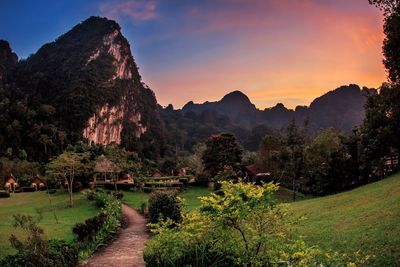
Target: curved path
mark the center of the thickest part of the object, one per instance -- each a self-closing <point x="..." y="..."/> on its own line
<point x="127" y="248"/>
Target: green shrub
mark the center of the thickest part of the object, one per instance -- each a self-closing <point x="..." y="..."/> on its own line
<point x="34" y="250"/>
<point x="60" y="253"/>
<point x="118" y="195"/>
<point x="165" y="205"/>
<point x="241" y="227"/>
<point x="96" y="231"/>
<point x="89" y="229"/>
<point x="28" y="189"/>
<point x="90" y="195"/>
<point x="4" y="194"/>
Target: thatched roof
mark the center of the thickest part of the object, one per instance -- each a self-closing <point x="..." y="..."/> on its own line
<point x="256" y="170"/>
<point x="105" y="165"/>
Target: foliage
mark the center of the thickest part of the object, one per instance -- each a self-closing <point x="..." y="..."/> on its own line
<point x="164" y="205"/>
<point x="4" y="194"/>
<point x="37" y="251"/>
<point x="241" y="227"/>
<point x="380" y="146"/>
<point x="88" y="229"/>
<point x="23" y="170"/>
<point x="47" y="99"/>
<point x="326" y="160"/>
<point x="67" y="166"/>
<point x="221" y="150"/>
<point x="35" y="202"/>
<point x="96" y="231"/>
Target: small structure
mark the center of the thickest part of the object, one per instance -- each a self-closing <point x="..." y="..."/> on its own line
<point x="38" y="183"/>
<point x="11" y="184"/>
<point x="257" y="173"/>
<point x="157" y="173"/>
<point x="108" y="173"/>
<point x="182" y="171"/>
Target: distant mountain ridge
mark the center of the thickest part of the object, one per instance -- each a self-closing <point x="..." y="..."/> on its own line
<point x="342" y="108"/>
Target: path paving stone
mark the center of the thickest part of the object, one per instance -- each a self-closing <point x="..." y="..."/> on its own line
<point x="127" y="249"/>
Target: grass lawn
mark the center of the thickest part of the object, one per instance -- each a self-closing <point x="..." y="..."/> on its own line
<point x="191" y="194"/>
<point x="366" y="218"/>
<point x="31" y="203"/>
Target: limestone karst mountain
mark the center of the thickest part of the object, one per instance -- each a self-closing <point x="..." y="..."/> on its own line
<point x="84" y="85"/>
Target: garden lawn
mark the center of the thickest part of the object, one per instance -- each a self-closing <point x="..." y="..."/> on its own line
<point x="37" y="205"/>
<point x="366" y="218"/>
<point x="191" y="195"/>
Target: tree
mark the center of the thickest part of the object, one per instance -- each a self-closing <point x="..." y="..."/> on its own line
<point x="67" y="166"/>
<point x="221" y="150"/>
<point x="295" y="144"/>
<point x="379" y="143"/>
<point x="269" y="153"/>
<point x="326" y="163"/>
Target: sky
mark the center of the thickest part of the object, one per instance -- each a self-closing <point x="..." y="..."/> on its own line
<point x="275" y="51"/>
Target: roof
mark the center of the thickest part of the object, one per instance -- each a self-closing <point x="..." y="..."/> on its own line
<point x="257" y="170"/>
<point x="39" y="179"/>
<point x="105" y="165"/>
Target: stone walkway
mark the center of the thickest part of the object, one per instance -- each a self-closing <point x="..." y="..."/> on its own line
<point x="127" y="248"/>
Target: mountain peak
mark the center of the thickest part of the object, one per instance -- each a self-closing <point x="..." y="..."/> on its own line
<point x="236" y="97"/>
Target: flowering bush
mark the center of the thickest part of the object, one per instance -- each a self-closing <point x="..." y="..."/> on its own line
<point x="241" y="227"/>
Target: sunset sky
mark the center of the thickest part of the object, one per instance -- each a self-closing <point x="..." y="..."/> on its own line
<point x="287" y="51"/>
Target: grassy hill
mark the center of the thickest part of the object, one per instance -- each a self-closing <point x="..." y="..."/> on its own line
<point x="365" y="219"/>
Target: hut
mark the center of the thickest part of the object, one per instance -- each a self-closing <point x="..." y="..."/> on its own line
<point x="108" y="173"/>
<point x="157" y="173"/>
<point x="182" y="171"/>
<point x="38" y="183"/>
<point x="257" y="173"/>
<point x="11" y="184"/>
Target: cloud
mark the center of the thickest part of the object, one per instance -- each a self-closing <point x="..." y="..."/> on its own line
<point x="135" y="10"/>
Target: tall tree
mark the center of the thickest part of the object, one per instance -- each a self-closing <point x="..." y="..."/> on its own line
<point x="66" y="167"/>
<point x="380" y="145"/>
<point x="295" y="145"/>
<point x="221" y="150"/>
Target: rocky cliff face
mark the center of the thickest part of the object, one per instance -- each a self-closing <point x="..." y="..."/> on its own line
<point x="88" y="81"/>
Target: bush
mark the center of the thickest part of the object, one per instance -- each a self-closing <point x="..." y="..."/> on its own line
<point x="118" y="195"/>
<point x="90" y="195"/>
<point x="61" y="253"/>
<point x="37" y="251"/>
<point x="4" y="194"/>
<point x="98" y="230"/>
<point x="242" y="227"/>
<point x="164" y="205"/>
<point x="28" y="189"/>
<point x="88" y="229"/>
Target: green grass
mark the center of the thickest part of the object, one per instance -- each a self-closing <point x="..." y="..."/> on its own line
<point x="191" y="195"/>
<point x="135" y="199"/>
<point x="366" y="218"/>
<point x="30" y="203"/>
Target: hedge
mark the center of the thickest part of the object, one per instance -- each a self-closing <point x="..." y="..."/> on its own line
<point x="96" y="231"/>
